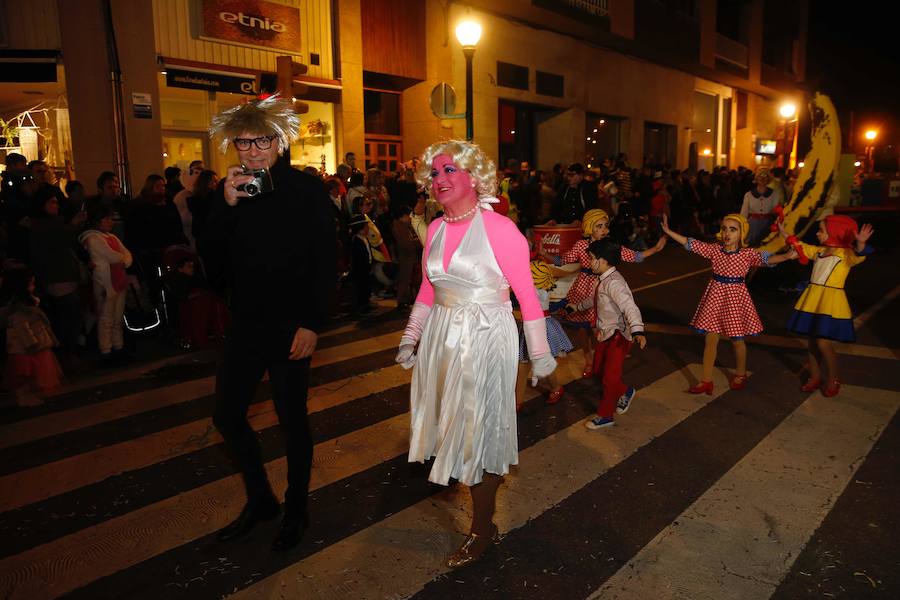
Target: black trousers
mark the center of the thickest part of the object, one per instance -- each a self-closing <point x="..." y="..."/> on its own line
<point x="251" y="350"/>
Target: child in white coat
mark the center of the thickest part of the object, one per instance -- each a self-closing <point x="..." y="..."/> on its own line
<point x="109" y="259"/>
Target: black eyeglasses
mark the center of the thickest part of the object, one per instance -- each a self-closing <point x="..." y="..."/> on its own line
<point x="263" y="143"/>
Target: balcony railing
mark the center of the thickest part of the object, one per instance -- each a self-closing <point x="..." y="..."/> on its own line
<point x="593" y="13"/>
<point x="732" y="52"/>
<point x="598" y="8"/>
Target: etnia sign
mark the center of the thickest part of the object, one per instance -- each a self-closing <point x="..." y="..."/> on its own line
<point x="252" y="23"/>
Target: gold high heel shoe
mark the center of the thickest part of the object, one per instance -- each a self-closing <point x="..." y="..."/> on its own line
<point x="464" y="556"/>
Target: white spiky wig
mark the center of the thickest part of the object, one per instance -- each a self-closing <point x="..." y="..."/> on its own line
<point x="466" y="155"/>
<point x="269" y="116"/>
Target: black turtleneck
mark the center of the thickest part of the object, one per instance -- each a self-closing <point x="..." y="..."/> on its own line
<point x="277" y="252"/>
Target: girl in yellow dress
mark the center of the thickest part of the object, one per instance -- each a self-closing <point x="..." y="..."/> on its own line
<point x="822" y="313"/>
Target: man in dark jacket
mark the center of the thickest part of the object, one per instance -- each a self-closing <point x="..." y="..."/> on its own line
<point x="279" y="256"/>
<point x="575" y="198"/>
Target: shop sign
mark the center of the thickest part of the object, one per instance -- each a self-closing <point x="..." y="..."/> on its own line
<point x="143" y="105"/>
<point x="252" y="23"/>
<point x="212" y="82"/>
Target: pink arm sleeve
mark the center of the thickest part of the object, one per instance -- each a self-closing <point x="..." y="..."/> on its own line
<point x="426" y="290"/>
<point x="514" y="261"/>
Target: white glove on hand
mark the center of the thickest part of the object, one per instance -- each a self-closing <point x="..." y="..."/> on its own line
<point x="536" y="337"/>
<point x="406" y="356"/>
<point x="542" y="365"/>
<point x="542" y="362"/>
<point x="417" y="318"/>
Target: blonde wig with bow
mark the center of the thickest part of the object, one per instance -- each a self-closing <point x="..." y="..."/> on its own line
<point x="591" y="218"/>
<point x="744" y="226"/>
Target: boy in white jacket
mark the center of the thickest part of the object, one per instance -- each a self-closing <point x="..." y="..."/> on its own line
<point x="618" y="325"/>
<point x="109" y="259"/>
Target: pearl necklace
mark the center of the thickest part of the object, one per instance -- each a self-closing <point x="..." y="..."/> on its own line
<point x="465" y="215"/>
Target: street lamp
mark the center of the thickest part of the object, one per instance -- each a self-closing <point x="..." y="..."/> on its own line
<point x="468" y="33"/>
<point x="788" y="112"/>
<point x="870" y="136"/>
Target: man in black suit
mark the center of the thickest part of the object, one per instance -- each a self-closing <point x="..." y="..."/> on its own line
<point x="278" y="251"/>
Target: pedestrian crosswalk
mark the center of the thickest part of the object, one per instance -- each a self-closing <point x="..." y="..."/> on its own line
<point x="115" y="495"/>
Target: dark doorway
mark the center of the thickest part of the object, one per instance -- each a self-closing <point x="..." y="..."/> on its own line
<point x="519" y="126"/>
<point x="659" y="144"/>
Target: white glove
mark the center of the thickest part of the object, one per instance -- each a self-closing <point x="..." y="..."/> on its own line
<point x="414" y="326"/>
<point x="406" y="356"/>
<point x="536" y="337"/>
<point x="542" y="365"/>
<point x="542" y="362"/>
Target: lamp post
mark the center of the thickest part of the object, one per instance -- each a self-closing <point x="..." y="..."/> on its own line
<point x="468" y="33"/>
<point x="788" y="112"/>
<point x="870" y="136"/>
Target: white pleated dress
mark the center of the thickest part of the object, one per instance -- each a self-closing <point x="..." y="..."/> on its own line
<point x="463" y="404"/>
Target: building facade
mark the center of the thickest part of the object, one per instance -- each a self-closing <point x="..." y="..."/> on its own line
<point x="131" y="85"/>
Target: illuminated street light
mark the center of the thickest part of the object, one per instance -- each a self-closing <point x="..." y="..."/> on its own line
<point x="707" y="152"/>
<point x="787" y="110"/>
<point x="467" y="34"/>
<point x="871" y="134"/>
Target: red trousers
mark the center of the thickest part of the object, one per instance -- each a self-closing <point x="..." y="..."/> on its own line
<point x="608" y="358"/>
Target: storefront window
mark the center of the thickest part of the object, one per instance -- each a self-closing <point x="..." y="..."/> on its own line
<point x="316" y="146"/>
<point x="181" y="150"/>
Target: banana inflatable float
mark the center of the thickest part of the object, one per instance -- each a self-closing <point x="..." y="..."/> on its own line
<point x="816" y="187"/>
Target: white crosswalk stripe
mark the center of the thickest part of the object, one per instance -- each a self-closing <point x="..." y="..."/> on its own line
<point x="737" y="540"/>
<point x="741" y="537"/>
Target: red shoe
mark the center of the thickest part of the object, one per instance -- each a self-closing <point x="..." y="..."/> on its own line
<point x="738" y="382"/>
<point x="833" y="389"/>
<point x="811" y="385"/>
<point x="555" y="395"/>
<point x="704" y="387"/>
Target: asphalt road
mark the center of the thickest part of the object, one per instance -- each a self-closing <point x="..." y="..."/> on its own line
<point x="114" y="488"/>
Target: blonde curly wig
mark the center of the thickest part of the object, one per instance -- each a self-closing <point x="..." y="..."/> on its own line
<point x="269" y="116"/>
<point x="466" y="155"/>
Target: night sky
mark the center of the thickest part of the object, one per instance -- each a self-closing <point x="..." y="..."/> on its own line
<point x="854" y="57"/>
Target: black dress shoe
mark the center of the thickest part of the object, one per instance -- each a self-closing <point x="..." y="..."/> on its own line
<point x="290" y="533"/>
<point x="249" y="518"/>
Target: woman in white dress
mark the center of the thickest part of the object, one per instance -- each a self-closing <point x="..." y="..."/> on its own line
<point x="463" y="406"/>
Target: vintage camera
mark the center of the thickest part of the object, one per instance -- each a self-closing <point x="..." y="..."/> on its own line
<point x="262" y="182"/>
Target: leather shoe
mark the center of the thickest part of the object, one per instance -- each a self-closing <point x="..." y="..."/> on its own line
<point x="290" y="533"/>
<point x="249" y="518"/>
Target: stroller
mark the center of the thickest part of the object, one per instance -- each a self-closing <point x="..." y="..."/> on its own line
<point x="148" y="304"/>
<point x="195" y="312"/>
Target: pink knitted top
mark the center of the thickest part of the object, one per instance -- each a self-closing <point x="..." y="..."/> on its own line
<point x="513" y="260"/>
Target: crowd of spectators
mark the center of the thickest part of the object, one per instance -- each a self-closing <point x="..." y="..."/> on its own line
<point x="98" y="257"/>
<point x="95" y="260"/>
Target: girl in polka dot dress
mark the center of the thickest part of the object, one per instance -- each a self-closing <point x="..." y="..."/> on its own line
<point x="726" y="308"/>
<point x="595" y="226"/>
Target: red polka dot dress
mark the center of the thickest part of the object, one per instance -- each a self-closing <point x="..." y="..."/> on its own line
<point x="586" y="282"/>
<point x="726" y="307"/>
